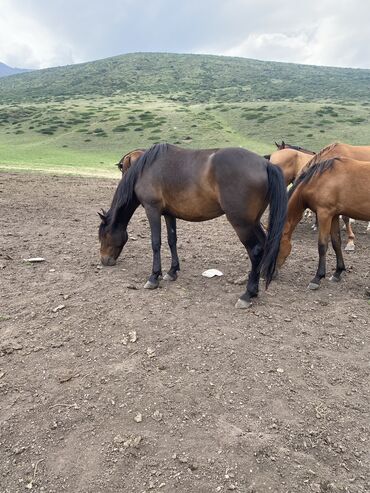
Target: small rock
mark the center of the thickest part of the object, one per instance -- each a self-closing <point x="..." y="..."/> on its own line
<point x="150" y="352"/>
<point x="58" y="308"/>
<point x="212" y="273"/>
<point x="132" y="336"/>
<point x="158" y="416"/>
<point x="138" y="418"/>
<point x="280" y="370"/>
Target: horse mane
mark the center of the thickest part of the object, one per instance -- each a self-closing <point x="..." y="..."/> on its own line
<point x="317" y="157"/>
<point x="299" y="148"/>
<point x="124" y="193"/>
<point x="315" y="169"/>
<point x="285" y="145"/>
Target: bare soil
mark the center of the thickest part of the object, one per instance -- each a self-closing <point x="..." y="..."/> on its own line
<point x="107" y="387"/>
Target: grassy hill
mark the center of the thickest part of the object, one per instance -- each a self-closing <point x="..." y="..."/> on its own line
<point x="84" y="117"/>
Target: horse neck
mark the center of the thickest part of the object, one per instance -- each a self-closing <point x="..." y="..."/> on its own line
<point x="122" y="214"/>
<point x="296" y="208"/>
<point x="302" y="160"/>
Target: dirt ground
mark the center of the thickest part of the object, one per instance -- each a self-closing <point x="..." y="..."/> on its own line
<point x="107" y="387"/>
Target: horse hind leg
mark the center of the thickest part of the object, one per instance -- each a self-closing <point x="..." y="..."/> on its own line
<point x="336" y="242"/>
<point x="350" y="247"/>
<point x="253" y="239"/>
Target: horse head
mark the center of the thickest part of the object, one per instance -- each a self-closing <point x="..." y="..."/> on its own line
<point x="112" y="239"/>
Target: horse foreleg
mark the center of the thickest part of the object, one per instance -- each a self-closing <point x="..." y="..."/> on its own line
<point x="172" y="242"/>
<point x="350" y="247"/>
<point x="336" y="242"/>
<point x="324" y="221"/>
<point x="154" y="217"/>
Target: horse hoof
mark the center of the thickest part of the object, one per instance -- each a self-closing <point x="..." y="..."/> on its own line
<point x="313" y="286"/>
<point x="242" y="304"/>
<point x="334" y="279"/>
<point x="151" y="285"/>
<point x="350" y="247"/>
<point x="168" y="277"/>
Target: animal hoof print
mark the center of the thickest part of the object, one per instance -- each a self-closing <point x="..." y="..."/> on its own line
<point x="151" y="285"/>
<point x="242" y="304"/>
<point x="313" y="286"/>
<point x="168" y="277"/>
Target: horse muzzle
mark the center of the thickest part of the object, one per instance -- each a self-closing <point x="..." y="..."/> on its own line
<point x="108" y="261"/>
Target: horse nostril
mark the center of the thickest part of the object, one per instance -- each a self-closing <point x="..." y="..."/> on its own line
<point x="108" y="261"/>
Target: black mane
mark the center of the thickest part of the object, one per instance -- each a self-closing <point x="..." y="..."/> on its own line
<point x="315" y="169"/>
<point x="124" y="195"/>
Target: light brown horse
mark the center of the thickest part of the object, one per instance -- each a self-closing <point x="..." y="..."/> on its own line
<point x="290" y="161"/>
<point x="198" y="185"/>
<point x="336" y="149"/>
<point x="327" y="188"/>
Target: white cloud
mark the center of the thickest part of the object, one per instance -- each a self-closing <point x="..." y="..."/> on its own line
<point x="42" y="33"/>
<point x="274" y="46"/>
<point x="27" y="43"/>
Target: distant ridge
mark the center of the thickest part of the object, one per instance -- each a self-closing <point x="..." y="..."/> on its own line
<point x="5" y="70"/>
<point x="193" y="78"/>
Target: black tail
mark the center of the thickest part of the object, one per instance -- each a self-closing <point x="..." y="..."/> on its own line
<point x="277" y="196"/>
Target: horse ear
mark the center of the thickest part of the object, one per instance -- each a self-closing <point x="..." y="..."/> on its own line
<point x="277" y="145"/>
<point x="283" y="144"/>
<point x="102" y="217"/>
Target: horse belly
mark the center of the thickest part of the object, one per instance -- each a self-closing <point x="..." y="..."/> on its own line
<point x="193" y="206"/>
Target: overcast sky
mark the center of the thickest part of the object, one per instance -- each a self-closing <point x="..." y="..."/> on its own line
<point x="46" y="33"/>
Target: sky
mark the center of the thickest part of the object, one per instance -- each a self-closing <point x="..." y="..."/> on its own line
<point x="48" y="33"/>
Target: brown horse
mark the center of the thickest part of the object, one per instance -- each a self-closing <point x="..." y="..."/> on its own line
<point x="291" y="162"/>
<point x="128" y="159"/>
<point x="284" y="145"/>
<point x="197" y="185"/>
<point x="327" y="188"/>
<point x="336" y="149"/>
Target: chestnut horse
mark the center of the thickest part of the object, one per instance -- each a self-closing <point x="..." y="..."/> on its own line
<point x="336" y="149"/>
<point x="128" y="159"/>
<point x="327" y="188"/>
<point x="197" y="185"/>
<point x="291" y="162"/>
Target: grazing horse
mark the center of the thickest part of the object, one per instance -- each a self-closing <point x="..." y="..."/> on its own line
<point x="197" y="185"/>
<point x="291" y="162"/>
<point x="327" y="188"/>
<point x="284" y="145"/>
<point x="128" y="159"/>
<point x="361" y="153"/>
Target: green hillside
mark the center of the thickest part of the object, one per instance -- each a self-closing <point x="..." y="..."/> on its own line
<point x="84" y="117"/>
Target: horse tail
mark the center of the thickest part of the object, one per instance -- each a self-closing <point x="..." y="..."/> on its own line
<point x="278" y="200"/>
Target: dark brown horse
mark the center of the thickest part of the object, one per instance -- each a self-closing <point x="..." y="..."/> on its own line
<point x="327" y="188"/>
<point x="197" y="185"/>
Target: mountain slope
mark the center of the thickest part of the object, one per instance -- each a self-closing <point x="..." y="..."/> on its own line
<point x="198" y="78"/>
<point x="5" y="70"/>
